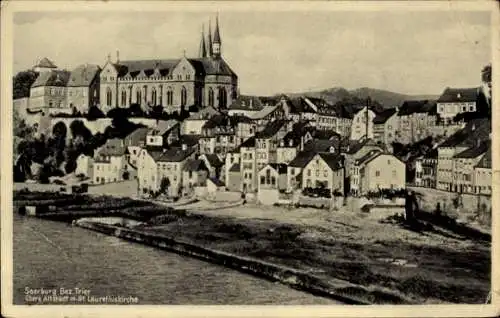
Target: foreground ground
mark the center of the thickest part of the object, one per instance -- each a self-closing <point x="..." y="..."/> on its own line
<point x="436" y="264"/>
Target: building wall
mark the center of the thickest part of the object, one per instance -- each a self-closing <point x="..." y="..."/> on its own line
<point x="444" y="176"/>
<point x="317" y="171"/>
<point x="83" y="97"/>
<point x="48" y="97"/>
<point x="292" y="173"/>
<point x="449" y="110"/>
<point x="192" y="127"/>
<point x="383" y="172"/>
<point x="482" y="181"/>
<point x="248" y="169"/>
<point x="326" y="122"/>
<point x="285" y="154"/>
<point x="112" y="171"/>
<point x="359" y="124"/>
<point x="147" y="172"/>
<point x="464" y="174"/>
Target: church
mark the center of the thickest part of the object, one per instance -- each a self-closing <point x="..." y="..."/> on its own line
<point x="174" y="84"/>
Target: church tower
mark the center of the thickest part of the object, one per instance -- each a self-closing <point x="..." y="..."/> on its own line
<point x="216" y="46"/>
<point x="203" y="49"/>
<point x="209" y="40"/>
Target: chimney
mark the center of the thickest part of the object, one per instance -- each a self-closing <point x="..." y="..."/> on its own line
<point x="251" y="103"/>
<point x="117" y="56"/>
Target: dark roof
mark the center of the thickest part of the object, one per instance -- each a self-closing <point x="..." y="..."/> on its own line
<point x="235" y="168"/>
<point x="321" y="145"/>
<point x="216" y="121"/>
<point x="453" y="95"/>
<point x="246" y="102"/>
<point x="417" y="106"/>
<point x="476" y="129"/>
<point x="45" y="62"/>
<point x="300" y="104"/>
<point x="368" y="157"/>
<point x="137" y="137"/>
<point x="52" y="78"/>
<point x="83" y="75"/>
<point x="134" y="67"/>
<point x="217" y="182"/>
<point x="188" y="140"/>
<point x="334" y="161"/>
<point x="214" y="66"/>
<point x="302" y="159"/>
<point x="214" y="160"/>
<point x="326" y="134"/>
<point x="271" y="129"/>
<point x="355" y="146"/>
<point x="280" y="167"/>
<point x="112" y="148"/>
<point x="475" y="151"/>
<point x="485" y="162"/>
<point x="195" y="165"/>
<point x="175" y="155"/>
<point x="383" y="116"/>
<point x="241" y="119"/>
<point x="162" y="127"/>
<point x="432" y="154"/>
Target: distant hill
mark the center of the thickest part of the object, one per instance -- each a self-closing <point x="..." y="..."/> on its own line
<point x="387" y="98"/>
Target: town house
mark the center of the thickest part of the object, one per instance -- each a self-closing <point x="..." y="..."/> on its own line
<point x="385" y="127"/>
<point x="49" y="91"/>
<point x="463" y="167"/>
<point x="416" y="118"/>
<point x="454" y="101"/>
<point x="381" y="171"/>
<point x="163" y="134"/>
<point x="326" y="171"/>
<point x="111" y="163"/>
<point x="267" y="141"/>
<point x="83" y="87"/>
<point x="134" y="142"/>
<point x="195" y="174"/>
<point x="482" y="174"/>
<point x="426" y="169"/>
<point x="245" y="105"/>
<point x="362" y="124"/>
<point x="272" y="180"/>
<point x="193" y="125"/>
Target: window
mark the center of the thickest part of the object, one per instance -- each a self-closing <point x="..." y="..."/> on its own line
<point x="138" y="96"/>
<point x="394" y="174"/>
<point x="377" y="173"/>
<point x="292" y="171"/>
<point x="124" y="98"/>
<point x="188" y="77"/>
<point x="210" y="97"/>
<point x="222" y="98"/>
<point x="273" y="180"/>
<point x="325" y="173"/>
<point x="317" y="172"/>
<point x="262" y="180"/>
<point x="249" y="156"/>
<point x="183" y="96"/>
<point x="170" y="96"/>
<point x="145" y="93"/>
<point x="109" y="97"/>
<point x="308" y="172"/>
<point x="179" y="77"/>
<point x="153" y="96"/>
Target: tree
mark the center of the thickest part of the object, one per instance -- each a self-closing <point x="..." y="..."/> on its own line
<point x="94" y="113"/>
<point x="135" y="110"/>
<point x="22" y="83"/>
<point x="118" y="113"/>
<point x="156" y="112"/>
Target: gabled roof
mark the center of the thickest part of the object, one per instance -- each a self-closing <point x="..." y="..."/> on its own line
<point x="302" y="159"/>
<point x="235" y="168"/>
<point x="417" y="106"/>
<point x="175" y="155"/>
<point x="137" y="137"/>
<point x="485" y="161"/>
<point x="52" y="78"/>
<point x="454" y="95"/>
<point x="195" y="165"/>
<point x="214" y="160"/>
<point x="46" y="63"/>
<point x="334" y="161"/>
<point x="212" y="66"/>
<point x="249" y="143"/>
<point x="163" y="127"/>
<point x="247" y="102"/>
<point x="321" y="145"/>
<point x="474" y="152"/>
<point x="188" y="140"/>
<point x="134" y="67"/>
<point x="368" y="157"/>
<point x="281" y="168"/>
<point x="301" y="104"/>
<point x="383" y="116"/>
<point x="271" y="129"/>
<point x="112" y="148"/>
<point x="204" y="114"/>
<point x="83" y="75"/>
<point x="352" y="147"/>
<point x="267" y="110"/>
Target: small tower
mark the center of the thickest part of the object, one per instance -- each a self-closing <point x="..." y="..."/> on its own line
<point x="216" y="46"/>
<point x="203" y="49"/>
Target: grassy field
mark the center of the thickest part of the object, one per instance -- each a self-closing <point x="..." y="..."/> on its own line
<point x="438" y="263"/>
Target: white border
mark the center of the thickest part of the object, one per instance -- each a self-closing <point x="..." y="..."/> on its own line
<point x="9" y="310"/>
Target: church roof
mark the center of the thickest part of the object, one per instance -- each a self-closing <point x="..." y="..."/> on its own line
<point x="202" y="65"/>
<point x="83" y="75"/>
<point x="52" y="78"/>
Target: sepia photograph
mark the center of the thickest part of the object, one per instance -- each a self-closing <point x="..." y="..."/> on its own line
<point x="248" y="154"/>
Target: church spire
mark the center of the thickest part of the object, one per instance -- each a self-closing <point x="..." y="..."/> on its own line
<point x="217" y="42"/>
<point x="209" y="45"/>
<point x="203" y="49"/>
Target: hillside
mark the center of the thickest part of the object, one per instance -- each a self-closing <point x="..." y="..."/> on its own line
<point x="387" y="98"/>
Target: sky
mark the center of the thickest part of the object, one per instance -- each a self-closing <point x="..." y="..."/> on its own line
<point x="418" y="52"/>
